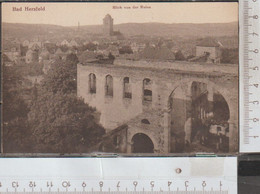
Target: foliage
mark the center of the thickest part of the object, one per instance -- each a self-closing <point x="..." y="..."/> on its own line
<point x="90" y="47"/>
<point x="17" y="137"/>
<point x="179" y="56"/>
<point x="229" y="56"/>
<point x="14" y="112"/>
<point x="160" y="53"/>
<point x="14" y="105"/>
<point x="62" y="123"/>
<point x="62" y="76"/>
<point x="110" y="56"/>
<point x="125" y="50"/>
<point x="31" y="69"/>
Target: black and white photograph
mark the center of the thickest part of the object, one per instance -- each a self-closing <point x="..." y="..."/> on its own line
<point x="128" y="78"/>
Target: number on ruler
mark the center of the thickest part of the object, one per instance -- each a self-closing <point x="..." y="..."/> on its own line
<point x="152" y="184"/>
<point x="32" y="184"/>
<point x="135" y="183"/>
<point x="254" y="17"/>
<point x="49" y="184"/>
<point x="254" y="34"/>
<point x="84" y="184"/>
<point x="118" y="185"/>
<point x="15" y="184"/>
<point x="256" y="85"/>
<point x="255" y="51"/>
<point x="256" y="68"/>
<point x="65" y="184"/>
<point x="256" y="102"/>
<point x="101" y="184"/>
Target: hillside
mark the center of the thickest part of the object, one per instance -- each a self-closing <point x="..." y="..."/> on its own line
<point x="228" y="29"/>
<point x="130" y="29"/>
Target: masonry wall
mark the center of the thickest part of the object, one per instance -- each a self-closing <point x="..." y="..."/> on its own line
<point x="117" y="110"/>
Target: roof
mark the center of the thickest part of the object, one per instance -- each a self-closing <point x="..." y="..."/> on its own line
<point x="208" y="42"/>
<point x="35" y="46"/>
<point x="108" y="16"/>
<point x="87" y="55"/>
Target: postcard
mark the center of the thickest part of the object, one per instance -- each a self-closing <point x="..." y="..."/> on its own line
<point x="126" y="78"/>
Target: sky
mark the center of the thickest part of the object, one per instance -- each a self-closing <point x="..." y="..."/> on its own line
<point x="69" y="14"/>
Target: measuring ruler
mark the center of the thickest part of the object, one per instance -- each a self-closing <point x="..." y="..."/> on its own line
<point x="119" y="175"/>
<point x="249" y="59"/>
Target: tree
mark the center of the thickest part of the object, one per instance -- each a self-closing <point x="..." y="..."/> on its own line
<point x="229" y="56"/>
<point x="62" y="123"/>
<point x="14" y="105"/>
<point x="125" y="50"/>
<point x="59" y="121"/>
<point x="90" y="47"/>
<point x="15" y="131"/>
<point x="179" y="56"/>
<point x="72" y="59"/>
<point x="62" y="76"/>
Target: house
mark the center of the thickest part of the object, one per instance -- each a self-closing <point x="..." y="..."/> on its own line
<point x="31" y="44"/>
<point x="44" y="55"/>
<point x="210" y="48"/>
<point x="73" y="43"/>
<point x="26" y="43"/>
<point x="32" y="55"/>
<point x="64" y="43"/>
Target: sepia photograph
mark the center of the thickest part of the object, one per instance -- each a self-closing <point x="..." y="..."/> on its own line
<point x="127" y="78"/>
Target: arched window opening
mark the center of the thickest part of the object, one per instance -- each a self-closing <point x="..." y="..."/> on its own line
<point x="145" y="121"/>
<point x="147" y="89"/>
<point x="109" y="85"/>
<point x="92" y="83"/>
<point x="127" y="88"/>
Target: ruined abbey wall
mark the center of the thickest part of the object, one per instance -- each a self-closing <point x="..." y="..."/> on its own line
<point x="116" y="110"/>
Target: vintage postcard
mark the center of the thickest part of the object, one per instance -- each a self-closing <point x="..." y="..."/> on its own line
<point x="129" y="78"/>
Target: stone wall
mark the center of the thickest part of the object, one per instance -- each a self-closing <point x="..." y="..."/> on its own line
<point x="117" y="110"/>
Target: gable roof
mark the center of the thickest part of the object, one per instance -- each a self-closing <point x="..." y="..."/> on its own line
<point x="208" y="42"/>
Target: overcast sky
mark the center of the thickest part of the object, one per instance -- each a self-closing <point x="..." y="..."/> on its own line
<point x="69" y="14"/>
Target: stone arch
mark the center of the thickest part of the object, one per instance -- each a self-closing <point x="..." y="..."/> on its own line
<point x="227" y="95"/>
<point x="142" y="143"/>
<point x="188" y="81"/>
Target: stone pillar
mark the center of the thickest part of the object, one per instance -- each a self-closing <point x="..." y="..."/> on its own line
<point x="210" y="98"/>
<point x="154" y="94"/>
<point x="166" y="131"/>
<point x="137" y="91"/>
<point x="233" y="136"/>
<point x="233" y="122"/>
<point x="188" y="98"/>
<point x="233" y="125"/>
<point x="118" y="89"/>
<point x="100" y="91"/>
<point x="129" y="145"/>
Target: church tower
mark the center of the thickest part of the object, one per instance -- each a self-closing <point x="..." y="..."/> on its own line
<point x="108" y="25"/>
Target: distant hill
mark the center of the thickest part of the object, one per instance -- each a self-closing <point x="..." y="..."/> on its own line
<point x="228" y="29"/>
<point x="131" y="29"/>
